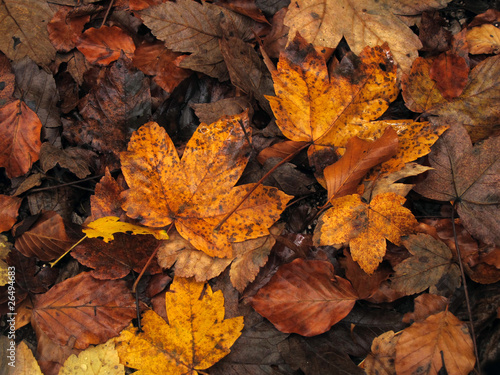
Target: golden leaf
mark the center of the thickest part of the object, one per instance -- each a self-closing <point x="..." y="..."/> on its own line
<point x="106" y="226"/>
<point x="195" y="337"/>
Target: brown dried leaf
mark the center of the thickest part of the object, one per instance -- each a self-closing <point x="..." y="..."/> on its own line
<point x="426" y="305"/>
<point x="7" y="80"/>
<point x="25" y="33"/>
<point x="209" y="113"/>
<point x="156" y="60"/>
<point x="380" y="361"/>
<point x="64" y="30"/>
<point x="305" y="297"/>
<point x="19" y="138"/>
<point x="75" y="159"/>
<point x="85" y="310"/>
<point x="451" y="73"/>
<point x="106" y="201"/>
<point x="47" y="239"/>
<point x="431" y="260"/>
<point x="104" y="45"/>
<point x="439" y="338"/>
<point x="469" y="176"/>
<point x="9" y="206"/>
<point x="115" y="260"/>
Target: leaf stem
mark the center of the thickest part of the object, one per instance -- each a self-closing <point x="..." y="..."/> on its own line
<point x="289" y="157"/>
<point x="134" y="287"/>
<point x="467" y="300"/>
<point x="67" y="251"/>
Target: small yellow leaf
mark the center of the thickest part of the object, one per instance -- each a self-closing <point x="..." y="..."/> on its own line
<point x="100" y="359"/>
<point x="365" y="226"/>
<point x="195" y="337"/>
<point x="25" y="362"/>
<point x="106" y="226"/>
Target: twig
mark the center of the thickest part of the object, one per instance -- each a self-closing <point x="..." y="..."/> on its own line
<point x="65" y="184"/>
<point x="67" y="251"/>
<point x="107" y="12"/>
<point x="467" y="301"/>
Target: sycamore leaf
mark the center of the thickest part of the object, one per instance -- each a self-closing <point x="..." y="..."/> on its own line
<point x="362" y="23"/>
<point x="5" y="248"/>
<point x="106" y="226"/>
<point x="343" y="177"/>
<point x="431" y="260"/>
<point x="104" y="45"/>
<point x="467" y="175"/>
<point x="440" y="340"/>
<point x="305" y="297"/>
<point x="100" y="359"/>
<point x="198" y="191"/>
<point x="313" y="107"/>
<point x="25" y="362"/>
<point x="195" y="337"/>
<point x="24" y="33"/>
<point x="188" y="26"/>
<point x="19" y="138"/>
<point x="421" y="94"/>
<point x="365" y="226"/>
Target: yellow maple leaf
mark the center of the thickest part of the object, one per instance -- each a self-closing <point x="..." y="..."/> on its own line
<point x="105" y="227"/>
<point x="365" y="226"/>
<point x="196" y="337"/>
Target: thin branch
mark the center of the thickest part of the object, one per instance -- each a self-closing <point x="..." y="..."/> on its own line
<point x="467" y="300"/>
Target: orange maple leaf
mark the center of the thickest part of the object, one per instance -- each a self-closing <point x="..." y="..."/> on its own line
<point x="365" y="226"/>
<point x="197" y="191"/>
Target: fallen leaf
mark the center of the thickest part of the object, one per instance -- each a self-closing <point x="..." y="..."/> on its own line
<point x="361" y="23"/>
<point x="195" y="337"/>
<point x="101" y="359"/>
<point x="9" y="207"/>
<point x="250" y="256"/>
<point x="421" y="94"/>
<point x="198" y="191"/>
<point x="388" y="184"/>
<point x="106" y="201"/>
<point x="7" y="80"/>
<point x="116" y="259"/>
<point x="466" y="175"/>
<point x="380" y="361"/>
<point x="343" y="177"/>
<point x="247" y="70"/>
<point x="106" y="226"/>
<point x="484" y="39"/>
<point x="279" y="150"/>
<point x="25" y="362"/>
<point x="431" y="260"/>
<point x="211" y="112"/>
<point x="365" y="226"/>
<point x="439" y="338"/>
<point x="84" y="310"/>
<point x="156" y="60"/>
<point x="25" y="33"/>
<point x="65" y="30"/>
<point x="104" y="45"/>
<point x="19" y="138"/>
<point x="191" y="27"/>
<point x="5" y="248"/>
<point x="189" y="262"/>
<point x="113" y="108"/>
<point x="425" y="305"/>
<point x="305" y="297"/>
<point x="75" y="159"/>
<point x="48" y="238"/>
<point x="450" y="72"/>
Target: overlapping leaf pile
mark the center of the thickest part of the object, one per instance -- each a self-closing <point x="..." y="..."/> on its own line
<point x="223" y="174"/>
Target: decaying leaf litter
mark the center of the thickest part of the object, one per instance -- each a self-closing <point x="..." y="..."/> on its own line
<point x="291" y="188"/>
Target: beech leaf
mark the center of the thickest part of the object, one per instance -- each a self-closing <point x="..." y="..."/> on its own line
<point x="84" y="310"/>
<point x="195" y="337"/>
<point x="365" y="226"/>
<point x="305" y="297"/>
